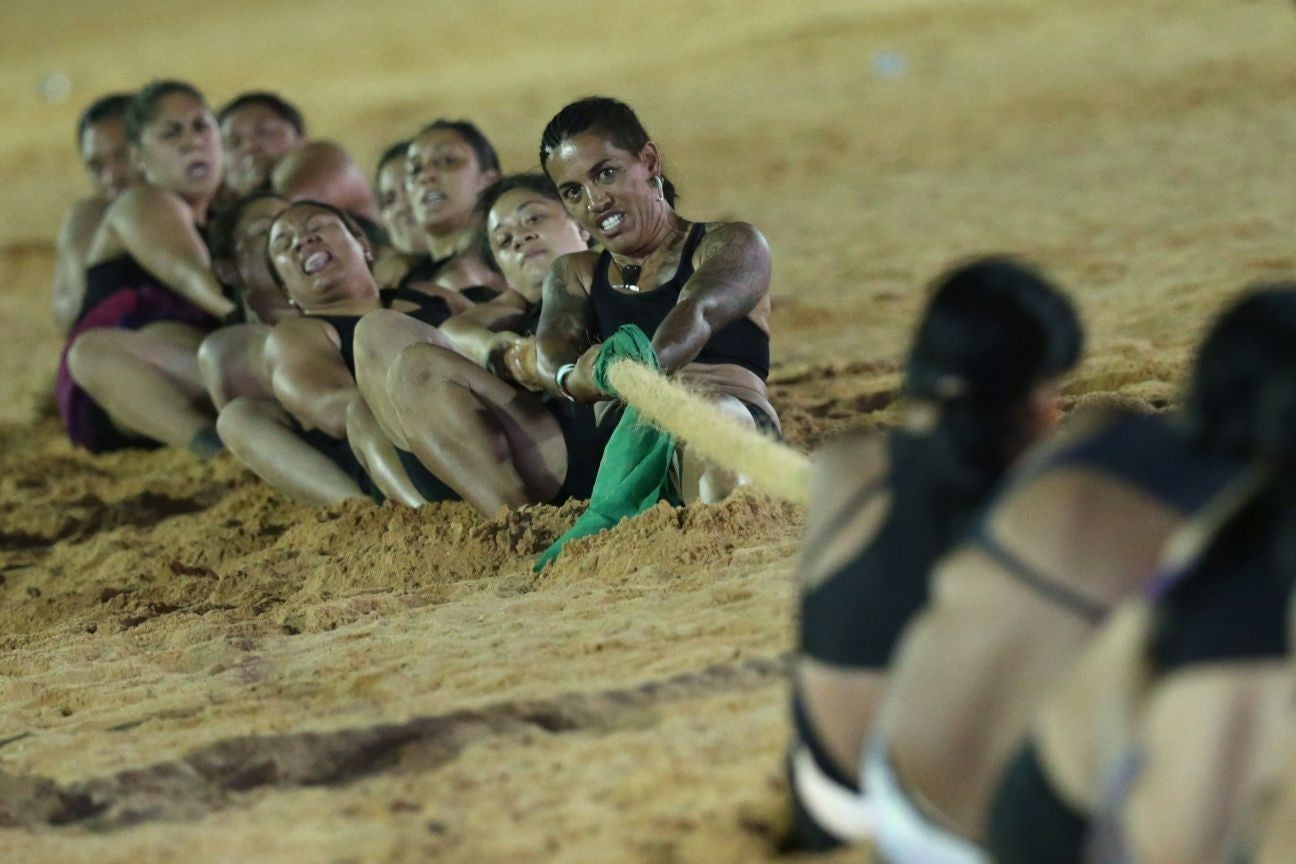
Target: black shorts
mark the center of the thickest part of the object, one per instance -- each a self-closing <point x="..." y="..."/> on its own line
<point x="586" y="439"/>
<point x="428" y="485"/>
<point x="338" y="451"/>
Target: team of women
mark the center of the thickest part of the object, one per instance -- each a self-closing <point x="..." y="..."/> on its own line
<point x="1002" y="627"/>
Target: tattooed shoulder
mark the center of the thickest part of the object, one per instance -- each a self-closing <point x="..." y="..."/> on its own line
<point x="732" y="249"/>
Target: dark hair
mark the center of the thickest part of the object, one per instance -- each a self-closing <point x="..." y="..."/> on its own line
<point x="610" y="118"/>
<point x="143" y="105"/>
<point x="221" y="233"/>
<point x="538" y="183"/>
<point x="395" y="151"/>
<point x="110" y="107"/>
<point x="994" y="329"/>
<point x="487" y="158"/>
<point x="532" y="182"/>
<point x="1242" y="397"/>
<point x="276" y="103"/>
<point x="354" y="227"/>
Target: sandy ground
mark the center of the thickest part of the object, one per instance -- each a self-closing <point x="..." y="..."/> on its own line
<point x="193" y="669"/>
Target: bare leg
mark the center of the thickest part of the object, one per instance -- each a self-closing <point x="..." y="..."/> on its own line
<point x="706" y="481"/>
<point x="147" y="380"/>
<point x="380" y="337"/>
<point x="261" y="435"/>
<point x="232" y="363"/>
<point x="378" y="456"/>
<point x="491" y="443"/>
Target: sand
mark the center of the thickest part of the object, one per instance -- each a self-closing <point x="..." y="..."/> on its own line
<point x="193" y="668"/>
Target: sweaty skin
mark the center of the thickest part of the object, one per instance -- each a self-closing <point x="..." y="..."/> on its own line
<point x="148" y="379"/>
<point x="615" y="196"/>
<point x="946" y="714"/>
<point x="324" y="268"/>
<point x="432" y="390"/>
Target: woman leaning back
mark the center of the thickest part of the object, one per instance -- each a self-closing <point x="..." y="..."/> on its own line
<point x="130" y="373"/>
<point x="980" y="387"/>
<point x="466" y="401"/>
<point x="1076" y="528"/>
<point x="299" y="441"/>
<point x="233" y="360"/>
<point x="1161" y="741"/>
<point x="698" y="290"/>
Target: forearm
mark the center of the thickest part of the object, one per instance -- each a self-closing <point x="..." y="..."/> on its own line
<point x="201" y="289"/>
<point x="681" y="336"/>
<point x="553" y="352"/>
<point x="471" y="340"/>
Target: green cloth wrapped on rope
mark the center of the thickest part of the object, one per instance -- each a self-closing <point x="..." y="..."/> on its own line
<point x="635" y="471"/>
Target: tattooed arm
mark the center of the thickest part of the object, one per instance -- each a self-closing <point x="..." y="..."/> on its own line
<point x="732" y="275"/>
<point x="563" y="334"/>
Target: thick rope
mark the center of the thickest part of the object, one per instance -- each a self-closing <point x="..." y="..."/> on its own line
<point x="771" y="466"/>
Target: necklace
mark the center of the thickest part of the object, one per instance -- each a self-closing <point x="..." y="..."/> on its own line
<point x="630" y="277"/>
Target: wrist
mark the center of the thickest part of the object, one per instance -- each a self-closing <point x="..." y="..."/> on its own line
<point x="560" y="380"/>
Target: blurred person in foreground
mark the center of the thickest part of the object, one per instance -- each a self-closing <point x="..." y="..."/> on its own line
<point x="1077" y="528"/>
<point x="980" y="386"/>
<point x="1160" y="743"/>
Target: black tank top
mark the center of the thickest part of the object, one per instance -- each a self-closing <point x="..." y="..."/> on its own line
<point x="856" y="617"/>
<point x="1151" y="454"/>
<point x="740" y="342"/>
<point x="108" y="277"/>
<point x="1144" y="451"/>
<point x="426" y="270"/>
<point x="529" y="323"/>
<point x="432" y="311"/>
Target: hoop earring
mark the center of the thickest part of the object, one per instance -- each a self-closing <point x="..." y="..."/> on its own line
<point x="661" y="188"/>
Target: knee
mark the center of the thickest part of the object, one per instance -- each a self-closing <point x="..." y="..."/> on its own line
<point x="374" y="338"/>
<point x="87" y="354"/>
<point x="212" y="352"/>
<point x="357" y="418"/>
<point x="733" y="409"/>
<point x="420" y="371"/>
<point x="240" y="415"/>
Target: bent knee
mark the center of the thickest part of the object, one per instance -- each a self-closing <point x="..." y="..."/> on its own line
<point x="376" y="332"/>
<point x="733" y="408"/>
<point x="244" y="413"/>
<point x="358" y="416"/>
<point x="88" y="352"/>
<point x="420" y="370"/>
